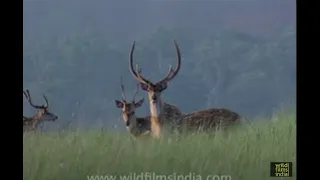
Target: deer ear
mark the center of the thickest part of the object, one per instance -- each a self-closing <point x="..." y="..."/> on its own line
<point x="139" y="103"/>
<point x="162" y="86"/>
<point x="119" y="104"/>
<point x="144" y="86"/>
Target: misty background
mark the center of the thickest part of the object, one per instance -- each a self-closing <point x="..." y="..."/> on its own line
<point x="236" y="54"/>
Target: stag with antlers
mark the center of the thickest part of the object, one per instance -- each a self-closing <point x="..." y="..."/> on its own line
<point x="137" y="126"/>
<point x="43" y="114"/>
<point x="162" y="113"/>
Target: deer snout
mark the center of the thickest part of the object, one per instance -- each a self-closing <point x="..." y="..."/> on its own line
<point x="154" y="98"/>
<point x="127" y="123"/>
<point x="54" y="118"/>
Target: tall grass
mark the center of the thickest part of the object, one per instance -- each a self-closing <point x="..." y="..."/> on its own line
<point x="245" y="153"/>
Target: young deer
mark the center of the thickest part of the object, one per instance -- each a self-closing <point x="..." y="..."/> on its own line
<point x="137" y="126"/>
<point x="162" y="113"/>
<point x="31" y="123"/>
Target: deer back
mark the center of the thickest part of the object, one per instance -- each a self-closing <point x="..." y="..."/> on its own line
<point x="210" y="118"/>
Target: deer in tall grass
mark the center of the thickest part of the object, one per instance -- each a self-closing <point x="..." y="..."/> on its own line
<point x="210" y="119"/>
<point x="137" y="126"/>
<point x="43" y="114"/>
<point x="162" y="113"/>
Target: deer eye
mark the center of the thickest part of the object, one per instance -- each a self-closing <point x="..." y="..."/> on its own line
<point x="144" y="87"/>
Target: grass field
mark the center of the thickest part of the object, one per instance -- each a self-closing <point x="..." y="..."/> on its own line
<point x="243" y="154"/>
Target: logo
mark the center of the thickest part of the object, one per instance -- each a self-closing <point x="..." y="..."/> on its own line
<point x="281" y="169"/>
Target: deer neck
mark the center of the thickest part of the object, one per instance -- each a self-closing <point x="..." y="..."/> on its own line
<point x="133" y="127"/>
<point x="37" y="119"/>
<point x="35" y="123"/>
<point x="38" y="116"/>
<point x="156" y="117"/>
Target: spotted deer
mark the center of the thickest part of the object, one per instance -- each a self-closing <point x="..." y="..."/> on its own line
<point x="137" y="126"/>
<point x="43" y="114"/>
<point x="162" y="113"/>
<point x="210" y="119"/>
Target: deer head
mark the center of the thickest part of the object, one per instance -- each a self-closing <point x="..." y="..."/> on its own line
<point x="155" y="89"/>
<point x="128" y="108"/>
<point x="43" y="110"/>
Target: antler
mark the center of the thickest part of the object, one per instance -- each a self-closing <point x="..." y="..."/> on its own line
<point x="171" y="74"/>
<point x="133" y="99"/>
<point x="46" y="100"/>
<point x="137" y="75"/>
<point x="27" y="95"/>
<point x="122" y="90"/>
